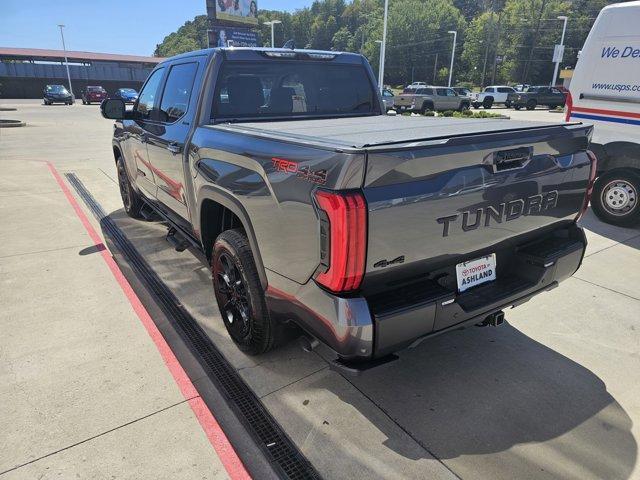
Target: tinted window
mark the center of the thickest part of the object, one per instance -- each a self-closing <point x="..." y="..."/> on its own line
<point x="294" y="88"/>
<point x="387" y="93"/>
<point x="177" y="91"/>
<point x="147" y="97"/>
<point x="505" y="90"/>
<point x="56" y="89"/>
<point x="488" y="89"/>
<point x="441" y="92"/>
<point x="450" y="92"/>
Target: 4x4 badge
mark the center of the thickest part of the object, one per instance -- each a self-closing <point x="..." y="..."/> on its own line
<point x="386" y="263"/>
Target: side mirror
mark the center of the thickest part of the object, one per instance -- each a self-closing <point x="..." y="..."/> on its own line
<point x="113" y="109"/>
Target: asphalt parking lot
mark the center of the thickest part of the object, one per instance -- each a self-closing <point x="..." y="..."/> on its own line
<point x="86" y="390"/>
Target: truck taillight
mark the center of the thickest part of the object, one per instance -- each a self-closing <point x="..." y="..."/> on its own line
<point x="592" y="179"/>
<point x="344" y="234"/>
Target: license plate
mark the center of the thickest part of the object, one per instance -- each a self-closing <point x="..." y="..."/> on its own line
<point x="476" y="272"/>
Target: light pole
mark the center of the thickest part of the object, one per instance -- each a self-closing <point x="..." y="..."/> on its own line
<point x="379" y="61"/>
<point x="453" y="54"/>
<point x="558" y="55"/>
<point x="383" y="46"/>
<point x="272" y="23"/>
<point x="66" y="61"/>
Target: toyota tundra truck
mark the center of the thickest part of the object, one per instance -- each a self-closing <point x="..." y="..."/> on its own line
<point x="314" y="209"/>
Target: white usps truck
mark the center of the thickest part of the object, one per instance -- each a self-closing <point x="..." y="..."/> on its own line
<point x="605" y="91"/>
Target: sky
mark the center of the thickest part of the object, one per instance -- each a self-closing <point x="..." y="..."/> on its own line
<point x="116" y="26"/>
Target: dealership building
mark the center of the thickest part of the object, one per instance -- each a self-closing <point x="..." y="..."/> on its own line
<point x="25" y="71"/>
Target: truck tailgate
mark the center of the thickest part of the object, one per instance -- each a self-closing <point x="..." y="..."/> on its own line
<point x="434" y="204"/>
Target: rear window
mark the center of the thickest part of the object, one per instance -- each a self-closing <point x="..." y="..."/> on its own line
<point x="292" y="88"/>
<point x="95" y="89"/>
<point x="56" y="89"/>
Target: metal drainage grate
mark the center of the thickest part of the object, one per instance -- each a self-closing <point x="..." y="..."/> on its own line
<point x="277" y="446"/>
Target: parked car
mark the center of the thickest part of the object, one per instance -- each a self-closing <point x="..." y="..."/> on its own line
<point x="536" y="96"/>
<point x="416" y="85"/>
<point x="93" y="94"/>
<point x="129" y="95"/>
<point x="431" y="98"/>
<point x="57" y="94"/>
<point x="605" y="91"/>
<point x="463" y="92"/>
<point x="365" y="230"/>
<point x="388" y="98"/>
<point x="490" y="96"/>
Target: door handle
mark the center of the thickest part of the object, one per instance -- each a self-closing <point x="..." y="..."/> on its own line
<point x="174" y="148"/>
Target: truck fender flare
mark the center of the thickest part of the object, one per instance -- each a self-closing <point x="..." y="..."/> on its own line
<point x="222" y="197"/>
<point x="116" y="147"/>
<point x="618" y="155"/>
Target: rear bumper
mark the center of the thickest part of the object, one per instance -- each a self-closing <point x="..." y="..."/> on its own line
<point x="359" y="328"/>
<point x="58" y="99"/>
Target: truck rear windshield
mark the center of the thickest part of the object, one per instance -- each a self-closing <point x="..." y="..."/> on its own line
<point x="272" y="89"/>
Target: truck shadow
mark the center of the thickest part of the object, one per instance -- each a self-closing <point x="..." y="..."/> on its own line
<point x="618" y="234"/>
<point x="485" y="391"/>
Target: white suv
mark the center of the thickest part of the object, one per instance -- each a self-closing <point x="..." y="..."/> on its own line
<point x="492" y="95"/>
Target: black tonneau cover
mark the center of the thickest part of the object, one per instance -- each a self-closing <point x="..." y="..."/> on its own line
<point x="363" y="132"/>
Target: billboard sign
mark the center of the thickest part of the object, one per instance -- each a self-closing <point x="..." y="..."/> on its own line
<point x="233" y="11"/>
<point x="220" y="36"/>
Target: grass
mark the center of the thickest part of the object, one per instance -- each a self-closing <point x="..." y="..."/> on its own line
<point x="463" y="114"/>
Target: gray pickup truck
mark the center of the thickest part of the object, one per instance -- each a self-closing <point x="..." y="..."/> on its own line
<point x="424" y="99"/>
<point x="315" y="209"/>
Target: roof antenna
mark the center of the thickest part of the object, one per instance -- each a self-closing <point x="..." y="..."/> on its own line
<point x="290" y="44"/>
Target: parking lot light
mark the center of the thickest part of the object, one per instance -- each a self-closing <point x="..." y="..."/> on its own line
<point x="383" y="46"/>
<point x="564" y="30"/>
<point x="453" y="53"/>
<point x="272" y="23"/>
<point x="66" y="60"/>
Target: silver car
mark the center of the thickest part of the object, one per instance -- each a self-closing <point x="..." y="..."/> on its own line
<point x="388" y="98"/>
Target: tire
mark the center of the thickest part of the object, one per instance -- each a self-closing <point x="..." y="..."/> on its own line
<point x="242" y="305"/>
<point x="487" y="103"/>
<point x="476" y="106"/>
<point x="531" y="105"/>
<point x="507" y="104"/>
<point x="518" y="107"/>
<point x="131" y="199"/>
<point x="615" y="197"/>
<point x="426" y="106"/>
<point x="464" y="106"/>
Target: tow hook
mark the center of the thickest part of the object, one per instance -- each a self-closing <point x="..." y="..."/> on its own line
<point x="495" y="319"/>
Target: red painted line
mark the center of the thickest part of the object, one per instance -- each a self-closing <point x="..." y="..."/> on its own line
<point x="212" y="429"/>
<point x="606" y="112"/>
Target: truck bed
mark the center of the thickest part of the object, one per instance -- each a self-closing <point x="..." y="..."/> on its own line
<point x="375" y="131"/>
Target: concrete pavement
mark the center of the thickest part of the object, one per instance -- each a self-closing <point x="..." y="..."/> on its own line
<point x="84" y="392"/>
<point x="552" y="394"/>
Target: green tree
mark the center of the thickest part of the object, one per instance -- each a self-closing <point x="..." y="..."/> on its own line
<point x="480" y="48"/>
<point x="191" y="36"/>
<point x="343" y="40"/>
<point x="522" y="32"/>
